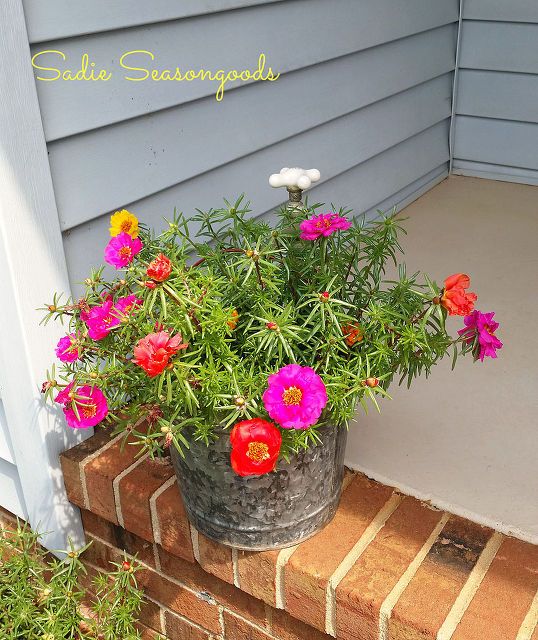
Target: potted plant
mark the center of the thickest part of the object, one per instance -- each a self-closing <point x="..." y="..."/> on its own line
<point x="245" y="349"/>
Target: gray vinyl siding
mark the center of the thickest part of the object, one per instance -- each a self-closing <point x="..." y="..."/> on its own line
<point x="496" y="123"/>
<point x="364" y="95"/>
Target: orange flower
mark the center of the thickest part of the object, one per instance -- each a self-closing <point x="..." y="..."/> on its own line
<point x="455" y="299"/>
<point x="160" y="268"/>
<point x="353" y="334"/>
<point x="234" y="317"/>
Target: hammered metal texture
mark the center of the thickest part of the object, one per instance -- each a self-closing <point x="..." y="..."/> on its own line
<point x="271" y="511"/>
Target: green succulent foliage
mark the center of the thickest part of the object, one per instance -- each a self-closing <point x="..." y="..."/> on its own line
<point x="273" y="281"/>
<point x="41" y="597"/>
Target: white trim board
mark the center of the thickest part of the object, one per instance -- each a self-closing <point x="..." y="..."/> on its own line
<point x="32" y="264"/>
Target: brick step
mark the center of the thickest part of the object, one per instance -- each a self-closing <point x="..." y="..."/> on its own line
<point x="387" y="567"/>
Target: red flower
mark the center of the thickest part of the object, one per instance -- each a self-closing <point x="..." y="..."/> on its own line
<point x="234" y="318"/>
<point x="153" y="352"/>
<point x="455" y="299"/>
<point x="255" y="447"/>
<point x="160" y="268"/>
<point x="352" y="334"/>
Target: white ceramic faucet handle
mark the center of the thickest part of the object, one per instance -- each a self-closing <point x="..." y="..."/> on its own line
<point x="294" y="178"/>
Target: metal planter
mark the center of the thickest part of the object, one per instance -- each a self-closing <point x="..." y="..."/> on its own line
<point x="271" y="511"/>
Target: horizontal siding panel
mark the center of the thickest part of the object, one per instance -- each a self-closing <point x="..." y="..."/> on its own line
<point x="417" y="155"/>
<point x="503" y="10"/>
<point x="73" y="107"/>
<point x="499" y="46"/>
<point x="6" y="448"/>
<point x="495" y="172"/>
<point x="499" y="142"/>
<point x="493" y="94"/>
<point x="365" y="186"/>
<point x="11" y="496"/>
<point x="64" y="18"/>
<point x="101" y="171"/>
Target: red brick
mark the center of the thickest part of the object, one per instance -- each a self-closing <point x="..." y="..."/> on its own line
<point x="179" y="629"/>
<point x="215" y="558"/>
<point x="97" y="526"/>
<point x="118" y="537"/>
<point x="237" y="629"/>
<point x="285" y="627"/>
<point x="135" y="490"/>
<point x="101" y="555"/>
<point x="427" y="600"/>
<point x="505" y="595"/>
<point x="173" y="523"/>
<point x="257" y="574"/>
<point x="150" y="615"/>
<point x="148" y="634"/>
<point x="371" y="579"/>
<point x="72" y="459"/>
<point x="312" y="564"/>
<point x="199" y="606"/>
<point x="225" y="594"/>
<point x="100" y="474"/>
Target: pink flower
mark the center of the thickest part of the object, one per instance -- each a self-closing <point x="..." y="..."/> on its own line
<point x="481" y="327"/>
<point x="91" y="407"/>
<point x="153" y="352"/>
<point x="323" y="225"/>
<point x="121" y="250"/>
<point x="295" y="397"/>
<point x="67" y="348"/>
<point x="63" y="396"/>
<point x="125" y="305"/>
<point x="101" y="319"/>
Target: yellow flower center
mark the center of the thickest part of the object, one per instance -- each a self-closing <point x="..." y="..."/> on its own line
<point x="125" y="252"/>
<point x="126" y="226"/>
<point x="292" y="395"/>
<point x="258" y="451"/>
<point x="89" y="410"/>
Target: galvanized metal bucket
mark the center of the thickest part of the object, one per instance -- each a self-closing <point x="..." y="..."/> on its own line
<point x="271" y="511"/>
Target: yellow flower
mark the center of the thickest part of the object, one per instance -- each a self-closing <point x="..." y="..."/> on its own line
<point x="124" y="222"/>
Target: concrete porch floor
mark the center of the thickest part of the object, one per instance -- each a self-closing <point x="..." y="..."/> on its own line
<point x="467" y="440"/>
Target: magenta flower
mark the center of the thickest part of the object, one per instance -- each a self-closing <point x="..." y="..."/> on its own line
<point x="481" y="327"/>
<point x="295" y="397"/>
<point x="121" y="250"/>
<point x="101" y="319"/>
<point x="323" y="225"/>
<point x="63" y="396"/>
<point x="68" y="349"/>
<point x="125" y="305"/>
<point x="91" y="407"/>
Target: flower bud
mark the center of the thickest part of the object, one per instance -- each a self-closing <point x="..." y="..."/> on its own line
<point x="52" y="308"/>
<point x="436" y="300"/>
<point x="165" y="429"/>
<point x="94" y="375"/>
<point x="371" y="382"/>
<point x="272" y="326"/>
<point x="48" y="384"/>
<point x="324" y="296"/>
<point x="250" y="253"/>
<point x="239" y="401"/>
